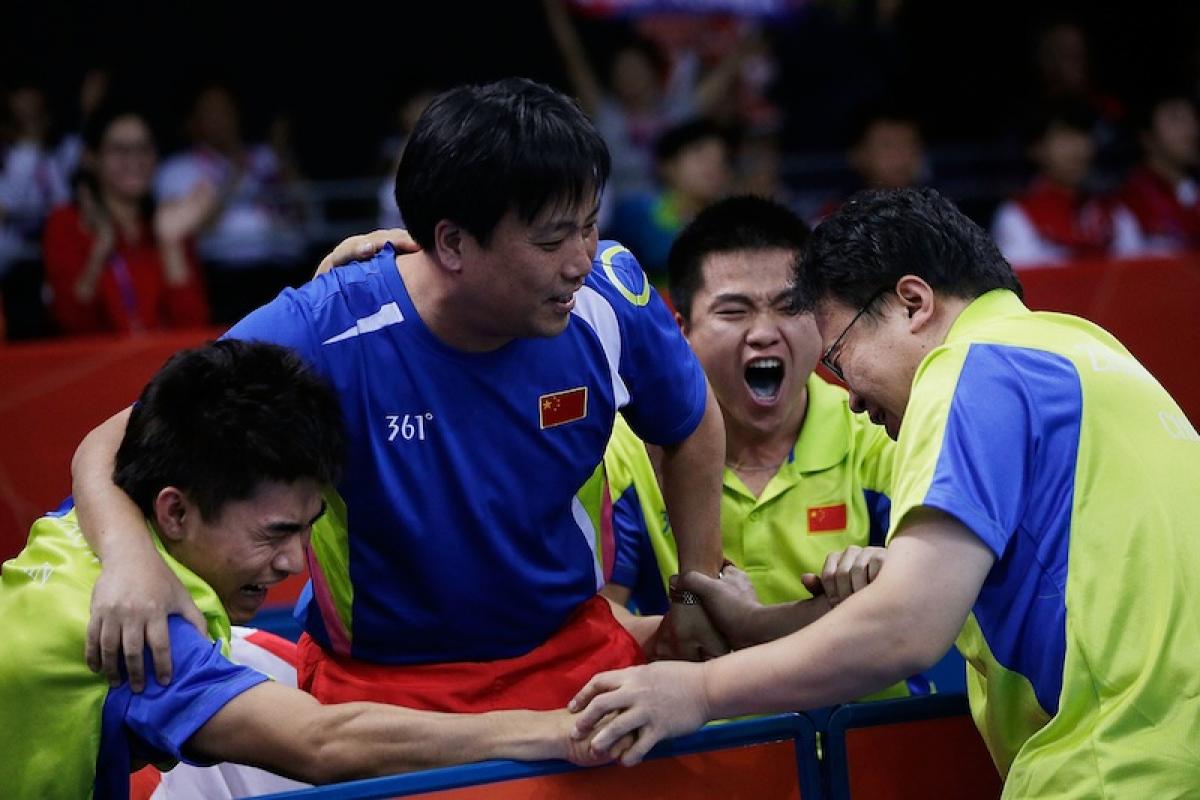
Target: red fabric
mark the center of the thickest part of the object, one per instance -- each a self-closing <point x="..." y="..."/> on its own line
<point x="66" y="244"/>
<point x="143" y="783"/>
<point x="1156" y="205"/>
<point x="562" y="407"/>
<point x="1080" y="222"/>
<point x="825" y="519"/>
<point x="608" y="536"/>
<point x="545" y="678"/>
<point x="277" y="646"/>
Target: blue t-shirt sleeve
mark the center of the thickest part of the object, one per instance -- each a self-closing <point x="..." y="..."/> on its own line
<point x="285" y="321"/>
<point x="629" y="530"/>
<point x="667" y="388"/>
<point x="986" y="463"/>
<point x="162" y="718"/>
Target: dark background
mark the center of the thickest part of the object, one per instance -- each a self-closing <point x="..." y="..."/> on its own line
<point x="339" y="69"/>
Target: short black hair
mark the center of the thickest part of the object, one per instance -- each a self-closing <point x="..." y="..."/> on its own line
<point x="478" y="151"/>
<point x="218" y="420"/>
<point x="677" y="139"/>
<point x="745" y="222"/>
<point x="879" y="236"/>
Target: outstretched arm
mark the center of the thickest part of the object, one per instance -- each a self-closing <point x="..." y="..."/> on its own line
<point x="900" y="624"/>
<point x="326" y="743"/>
<point x="570" y="47"/>
<point x="136" y="590"/>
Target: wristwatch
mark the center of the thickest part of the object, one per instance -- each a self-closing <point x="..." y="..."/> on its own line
<point x="683" y="597"/>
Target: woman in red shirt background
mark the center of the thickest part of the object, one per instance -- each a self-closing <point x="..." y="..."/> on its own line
<point x="116" y="262"/>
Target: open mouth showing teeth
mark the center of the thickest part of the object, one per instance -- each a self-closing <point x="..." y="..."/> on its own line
<point x="253" y="589"/>
<point x="764" y="376"/>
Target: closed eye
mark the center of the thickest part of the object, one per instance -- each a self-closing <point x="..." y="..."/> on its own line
<point x="788" y="309"/>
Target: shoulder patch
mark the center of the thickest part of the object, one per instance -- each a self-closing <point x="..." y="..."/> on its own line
<point x="607" y="258"/>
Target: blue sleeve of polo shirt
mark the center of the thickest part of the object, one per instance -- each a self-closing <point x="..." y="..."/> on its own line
<point x="1013" y="409"/>
<point x="161" y="719"/>
<point x="667" y="388"/>
<point x="285" y="321"/>
<point x="879" y="512"/>
<point x="629" y="531"/>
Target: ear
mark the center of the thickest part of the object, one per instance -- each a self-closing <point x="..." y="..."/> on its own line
<point x="682" y="323"/>
<point x="449" y="240"/>
<point x="173" y="513"/>
<point x="918" y="300"/>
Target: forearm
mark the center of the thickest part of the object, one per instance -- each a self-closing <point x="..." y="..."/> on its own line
<point x="109" y="520"/>
<point x="867" y="645"/>
<point x="337" y="742"/>
<point x="574" y="56"/>
<point x="692" y="473"/>
<point x="900" y="624"/>
<point x="715" y="86"/>
<point x="768" y="623"/>
<point x="175" y="265"/>
<point x="96" y="258"/>
<point x="361" y="739"/>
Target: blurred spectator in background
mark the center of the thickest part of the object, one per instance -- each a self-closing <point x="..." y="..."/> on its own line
<point x="887" y="153"/>
<point x="646" y="94"/>
<point x="31" y="186"/>
<point x="759" y="168"/>
<point x="113" y="261"/>
<point x="1161" y="191"/>
<point x="31" y="183"/>
<point x="252" y="245"/>
<point x="1063" y="64"/>
<point x="732" y="50"/>
<point x="389" y="155"/>
<point x="1058" y="218"/>
<point x="92" y="91"/>
<point x="692" y="162"/>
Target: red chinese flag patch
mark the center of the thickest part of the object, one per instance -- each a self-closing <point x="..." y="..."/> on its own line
<point x="559" y="408"/>
<point x="827" y="519"/>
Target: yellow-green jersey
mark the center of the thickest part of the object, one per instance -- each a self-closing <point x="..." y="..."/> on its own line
<point x="831" y="492"/>
<point x="65" y="732"/>
<point x="1044" y="437"/>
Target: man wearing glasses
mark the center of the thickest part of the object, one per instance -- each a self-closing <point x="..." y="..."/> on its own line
<point x="1044" y="512"/>
<point x="806" y="484"/>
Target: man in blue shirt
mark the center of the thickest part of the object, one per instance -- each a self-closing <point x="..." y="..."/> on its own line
<point x="479" y="378"/>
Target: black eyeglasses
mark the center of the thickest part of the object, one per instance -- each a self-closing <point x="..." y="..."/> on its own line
<point x="827" y="356"/>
